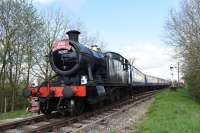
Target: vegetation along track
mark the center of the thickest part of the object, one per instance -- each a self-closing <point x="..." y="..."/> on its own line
<point x="56" y="123"/>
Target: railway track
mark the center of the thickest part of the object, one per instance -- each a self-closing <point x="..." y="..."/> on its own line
<point x="55" y="123"/>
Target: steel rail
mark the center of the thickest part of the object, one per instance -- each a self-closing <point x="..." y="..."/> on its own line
<point x="111" y="110"/>
<point x="54" y="122"/>
<point x="25" y="121"/>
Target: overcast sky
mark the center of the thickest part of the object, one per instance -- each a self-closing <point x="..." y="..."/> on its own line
<point x="133" y="28"/>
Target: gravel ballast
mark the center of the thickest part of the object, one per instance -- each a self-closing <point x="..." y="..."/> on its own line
<point x="124" y="122"/>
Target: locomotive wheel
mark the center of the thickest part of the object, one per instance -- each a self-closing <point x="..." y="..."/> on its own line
<point x="117" y="95"/>
<point x="44" y="108"/>
<point x="112" y="98"/>
<point x="79" y="107"/>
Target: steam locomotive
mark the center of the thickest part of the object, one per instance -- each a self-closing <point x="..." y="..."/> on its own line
<point x="87" y="76"/>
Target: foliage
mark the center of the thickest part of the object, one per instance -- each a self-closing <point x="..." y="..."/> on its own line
<point x="26" y="38"/>
<point x="183" y="32"/>
<point x="172" y="112"/>
<point x="21" y="30"/>
<point x="193" y="84"/>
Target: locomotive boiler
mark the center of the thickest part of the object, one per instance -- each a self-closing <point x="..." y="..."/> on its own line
<point x="69" y="57"/>
<point x="87" y="76"/>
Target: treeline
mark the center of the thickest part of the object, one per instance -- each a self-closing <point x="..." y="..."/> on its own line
<point x="26" y="38"/>
<point x="183" y="29"/>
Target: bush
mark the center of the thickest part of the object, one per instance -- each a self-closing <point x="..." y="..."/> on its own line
<point x="183" y="33"/>
<point x="193" y="83"/>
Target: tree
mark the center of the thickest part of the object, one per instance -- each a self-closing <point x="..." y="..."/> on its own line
<point x="56" y="25"/>
<point x="55" y="28"/>
<point x="26" y="37"/>
<point x="183" y="32"/>
<point x="131" y="61"/>
<point x="89" y="40"/>
<point x="20" y="32"/>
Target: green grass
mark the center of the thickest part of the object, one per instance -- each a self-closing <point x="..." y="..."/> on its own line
<point x="15" y="114"/>
<point x="172" y="112"/>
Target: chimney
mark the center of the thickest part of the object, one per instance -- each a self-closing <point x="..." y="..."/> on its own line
<point x="73" y="35"/>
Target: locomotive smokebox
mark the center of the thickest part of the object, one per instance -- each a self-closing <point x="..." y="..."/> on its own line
<point x="73" y="35"/>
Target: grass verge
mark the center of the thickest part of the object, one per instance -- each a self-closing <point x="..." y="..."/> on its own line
<point x="172" y="112"/>
<point x="15" y="114"/>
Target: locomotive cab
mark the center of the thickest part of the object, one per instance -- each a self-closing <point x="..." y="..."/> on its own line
<point x="117" y="68"/>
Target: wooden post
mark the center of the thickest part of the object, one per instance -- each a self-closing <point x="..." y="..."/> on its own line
<point x="5" y="104"/>
<point x="178" y="74"/>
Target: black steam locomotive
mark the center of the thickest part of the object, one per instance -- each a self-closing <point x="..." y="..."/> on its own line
<point x="87" y="76"/>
